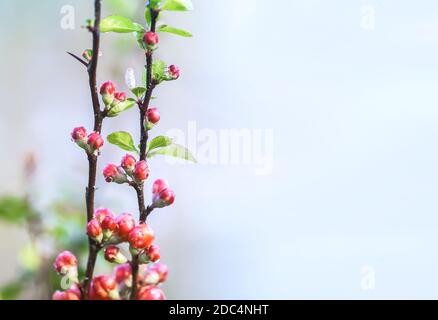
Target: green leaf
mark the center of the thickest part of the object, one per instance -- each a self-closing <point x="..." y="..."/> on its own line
<point x="139" y="91"/>
<point x="14" y="209"/>
<point x="12" y="290"/>
<point x="173" y="150"/>
<point x="178" y="5"/>
<point x="123" y="140"/>
<point x="158" y="70"/>
<point x="120" y="107"/>
<point x="159" y="142"/>
<point x="179" y="32"/>
<point x="119" y="24"/>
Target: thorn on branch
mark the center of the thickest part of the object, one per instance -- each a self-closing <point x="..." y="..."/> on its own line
<point x="78" y="59"/>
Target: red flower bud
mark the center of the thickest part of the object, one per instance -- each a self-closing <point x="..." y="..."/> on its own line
<point x="128" y="163"/>
<point x="153" y="115"/>
<point x="109" y="223"/>
<point x="104" y="288"/>
<point x="120" y="96"/>
<point x="125" y="224"/>
<point x="141" y="237"/>
<point x="113" y="254"/>
<point x="154" y="253"/>
<point x="123" y="273"/>
<point x="174" y="72"/>
<point x="159" y="185"/>
<point x="79" y="134"/>
<point x="71" y="294"/>
<point x="107" y="90"/>
<point x="95" y="141"/>
<point x="150" y="38"/>
<point x="150" y="293"/>
<point x="112" y="173"/>
<point x="151" y="254"/>
<point x="94" y="230"/>
<point x="101" y="213"/>
<point x="65" y="263"/>
<point x="141" y="171"/>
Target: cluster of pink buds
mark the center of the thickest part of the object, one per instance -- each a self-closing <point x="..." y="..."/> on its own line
<point x="151" y="40"/>
<point x="152" y="118"/>
<point x="91" y="143"/>
<point x="129" y="171"/>
<point x="162" y="195"/>
<point x="110" y="97"/>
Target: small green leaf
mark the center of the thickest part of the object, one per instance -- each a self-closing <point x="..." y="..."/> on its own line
<point x="139" y="91"/>
<point x="159" y="142"/>
<point x="158" y="70"/>
<point x="119" y="24"/>
<point x="120" y="107"/>
<point x="14" y="209"/>
<point x="179" y="32"/>
<point x="178" y="5"/>
<point x="173" y="150"/>
<point x="123" y="140"/>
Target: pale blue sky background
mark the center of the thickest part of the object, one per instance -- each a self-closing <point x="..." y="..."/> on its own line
<point x="355" y="121"/>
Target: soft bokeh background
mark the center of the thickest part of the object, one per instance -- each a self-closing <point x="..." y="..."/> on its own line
<point x="355" y="120"/>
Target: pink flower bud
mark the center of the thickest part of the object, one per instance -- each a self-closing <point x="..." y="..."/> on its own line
<point x="159" y="185"/>
<point x="125" y="224"/>
<point x="156" y="273"/>
<point x="120" y="96"/>
<point x="95" y="141"/>
<point x="174" y="72"/>
<point x="123" y="274"/>
<point x="150" y="293"/>
<point x="104" y="288"/>
<point x="101" y="213"/>
<point x="109" y="226"/>
<point x="107" y="90"/>
<point x="113" y="254"/>
<point x="162" y="195"/>
<point x="71" y="294"/>
<point x="153" y="115"/>
<point x="113" y="173"/>
<point x="151" y="38"/>
<point x="141" y="171"/>
<point x="65" y="262"/>
<point x="94" y="230"/>
<point x="128" y="163"/>
<point x="141" y="237"/>
<point x="79" y="133"/>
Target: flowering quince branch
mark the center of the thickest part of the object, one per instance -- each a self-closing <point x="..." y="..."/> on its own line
<point x="138" y="276"/>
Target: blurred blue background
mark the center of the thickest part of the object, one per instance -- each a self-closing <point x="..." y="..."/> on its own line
<point x="349" y="89"/>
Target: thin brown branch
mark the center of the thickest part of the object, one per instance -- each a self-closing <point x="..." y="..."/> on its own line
<point x="144" y="136"/>
<point x="92" y="159"/>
